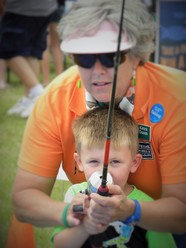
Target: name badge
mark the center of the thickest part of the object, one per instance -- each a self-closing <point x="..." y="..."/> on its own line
<point x="145" y="150"/>
<point x="144" y="132"/>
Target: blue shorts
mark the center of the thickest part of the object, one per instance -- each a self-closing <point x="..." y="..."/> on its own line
<point x="22" y="35"/>
<point x="57" y="14"/>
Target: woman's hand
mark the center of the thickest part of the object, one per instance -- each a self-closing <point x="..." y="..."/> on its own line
<point x="116" y="206"/>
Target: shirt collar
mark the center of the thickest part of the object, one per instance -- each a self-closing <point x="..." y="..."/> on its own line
<point x="142" y="93"/>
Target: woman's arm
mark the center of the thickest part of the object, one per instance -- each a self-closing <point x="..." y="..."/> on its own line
<point x="166" y="214"/>
<point x="32" y="202"/>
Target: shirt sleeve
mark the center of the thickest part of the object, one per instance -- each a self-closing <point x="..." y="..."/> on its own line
<point x="41" y="150"/>
<point x="173" y="147"/>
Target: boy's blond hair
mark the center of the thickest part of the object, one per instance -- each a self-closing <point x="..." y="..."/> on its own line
<point x="90" y="130"/>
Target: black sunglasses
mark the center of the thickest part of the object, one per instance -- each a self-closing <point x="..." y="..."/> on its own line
<point x="107" y="59"/>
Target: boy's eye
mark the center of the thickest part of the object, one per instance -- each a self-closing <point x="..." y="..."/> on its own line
<point x="93" y="162"/>
<point x="114" y="162"/>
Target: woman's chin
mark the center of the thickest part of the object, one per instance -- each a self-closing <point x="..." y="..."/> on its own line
<point x="102" y="98"/>
<point x="107" y="99"/>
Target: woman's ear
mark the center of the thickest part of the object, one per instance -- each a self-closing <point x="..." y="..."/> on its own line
<point x="136" y="162"/>
<point x="78" y="161"/>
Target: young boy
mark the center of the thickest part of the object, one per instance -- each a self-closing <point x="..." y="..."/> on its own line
<point x="90" y="134"/>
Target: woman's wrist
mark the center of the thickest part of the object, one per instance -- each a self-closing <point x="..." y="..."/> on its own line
<point x="131" y="207"/>
<point x="136" y="214"/>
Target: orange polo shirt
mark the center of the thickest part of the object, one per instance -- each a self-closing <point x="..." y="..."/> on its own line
<point x="159" y="108"/>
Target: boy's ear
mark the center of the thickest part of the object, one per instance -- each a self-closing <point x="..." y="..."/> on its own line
<point x="78" y="161"/>
<point x="136" y="162"/>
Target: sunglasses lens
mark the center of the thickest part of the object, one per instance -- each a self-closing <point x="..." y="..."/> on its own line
<point x="88" y="60"/>
<point x="107" y="59"/>
<point x="84" y="60"/>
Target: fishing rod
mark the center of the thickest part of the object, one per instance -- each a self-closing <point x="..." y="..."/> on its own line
<point x="97" y="239"/>
<point x="103" y="189"/>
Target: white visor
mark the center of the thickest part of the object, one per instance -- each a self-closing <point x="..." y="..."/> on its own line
<point x="104" y="40"/>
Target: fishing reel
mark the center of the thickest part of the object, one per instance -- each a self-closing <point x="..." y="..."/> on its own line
<point x="94" y="183"/>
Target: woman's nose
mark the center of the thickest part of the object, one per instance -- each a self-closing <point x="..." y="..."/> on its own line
<point x="98" y="67"/>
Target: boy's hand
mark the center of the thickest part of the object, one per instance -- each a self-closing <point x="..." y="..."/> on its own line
<point x="74" y="218"/>
<point x="91" y="227"/>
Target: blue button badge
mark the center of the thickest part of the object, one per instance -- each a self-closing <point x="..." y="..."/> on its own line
<point x="156" y="113"/>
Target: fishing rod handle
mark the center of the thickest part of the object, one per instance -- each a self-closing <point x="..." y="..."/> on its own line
<point x="94" y="186"/>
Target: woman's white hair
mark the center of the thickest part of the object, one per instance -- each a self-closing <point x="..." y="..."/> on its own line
<point x="85" y="16"/>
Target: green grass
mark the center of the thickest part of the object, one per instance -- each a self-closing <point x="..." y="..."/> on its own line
<point x="11" y="132"/>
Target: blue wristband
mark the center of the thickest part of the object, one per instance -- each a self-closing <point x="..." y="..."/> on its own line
<point x="136" y="215"/>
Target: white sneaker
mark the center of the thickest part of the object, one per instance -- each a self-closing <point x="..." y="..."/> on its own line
<point x="3" y="85"/>
<point x="33" y="95"/>
<point x="20" y="106"/>
<point x="26" y="112"/>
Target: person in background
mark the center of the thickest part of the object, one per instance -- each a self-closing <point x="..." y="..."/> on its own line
<point x="152" y="93"/>
<point x="22" y="43"/>
<point x="90" y="133"/>
<point x="53" y="46"/>
<point x="68" y="4"/>
<point x="3" y="83"/>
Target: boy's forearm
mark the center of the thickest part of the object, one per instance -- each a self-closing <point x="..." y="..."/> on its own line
<point x="71" y="237"/>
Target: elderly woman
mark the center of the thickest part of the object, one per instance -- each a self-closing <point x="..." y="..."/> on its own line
<point x="153" y="94"/>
